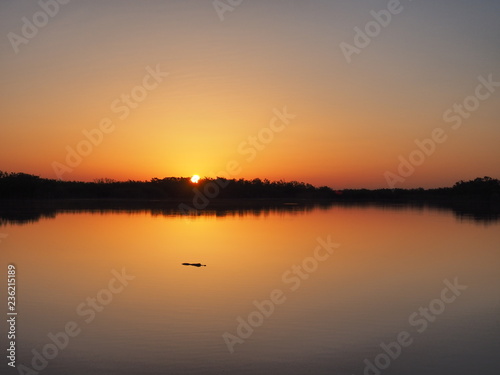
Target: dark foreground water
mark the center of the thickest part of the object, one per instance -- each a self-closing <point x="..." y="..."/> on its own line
<point x="342" y="290"/>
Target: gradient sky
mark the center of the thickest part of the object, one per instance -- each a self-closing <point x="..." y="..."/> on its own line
<point x="353" y="120"/>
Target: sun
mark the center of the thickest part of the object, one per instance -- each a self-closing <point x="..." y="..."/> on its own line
<point x="195" y="179"/>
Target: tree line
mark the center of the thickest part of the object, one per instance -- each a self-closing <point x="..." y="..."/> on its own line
<point x="27" y="186"/>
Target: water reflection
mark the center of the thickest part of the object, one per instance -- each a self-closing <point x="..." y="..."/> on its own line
<point x="26" y="212"/>
<point x="170" y="318"/>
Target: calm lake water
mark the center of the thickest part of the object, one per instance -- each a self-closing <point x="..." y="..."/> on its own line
<point x="421" y="283"/>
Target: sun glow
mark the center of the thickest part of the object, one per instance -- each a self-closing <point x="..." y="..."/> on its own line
<point x="195" y="179"/>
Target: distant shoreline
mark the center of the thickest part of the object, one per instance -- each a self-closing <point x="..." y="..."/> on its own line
<point x="27" y="196"/>
<point x="26" y="186"/>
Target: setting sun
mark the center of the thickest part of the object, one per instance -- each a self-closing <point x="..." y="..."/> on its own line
<point x="195" y="179"/>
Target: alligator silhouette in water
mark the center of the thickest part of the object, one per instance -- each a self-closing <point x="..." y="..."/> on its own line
<point x="194" y="264"/>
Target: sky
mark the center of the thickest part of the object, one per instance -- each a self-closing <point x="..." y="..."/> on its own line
<point x="347" y="94"/>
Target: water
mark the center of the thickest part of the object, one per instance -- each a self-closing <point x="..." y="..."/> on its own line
<point x="330" y="317"/>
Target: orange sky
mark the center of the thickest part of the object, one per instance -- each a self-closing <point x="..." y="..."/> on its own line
<point x="227" y="78"/>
